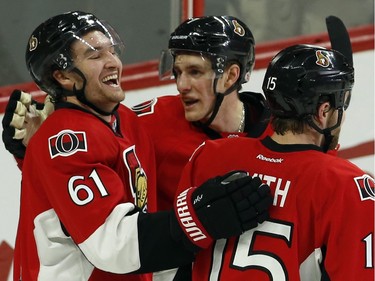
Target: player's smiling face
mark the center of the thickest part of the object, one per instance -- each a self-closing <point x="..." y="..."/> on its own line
<point x="194" y="79"/>
<point x="97" y="59"/>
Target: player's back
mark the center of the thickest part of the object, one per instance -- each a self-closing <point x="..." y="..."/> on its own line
<point x="322" y="210"/>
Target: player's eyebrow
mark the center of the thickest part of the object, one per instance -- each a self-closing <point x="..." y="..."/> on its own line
<point x="99" y="48"/>
<point x="190" y="66"/>
<point x="92" y="49"/>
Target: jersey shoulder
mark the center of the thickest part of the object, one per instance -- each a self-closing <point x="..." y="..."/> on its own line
<point x="71" y="119"/>
<point x="160" y="106"/>
<point x="163" y="117"/>
<point x="225" y="147"/>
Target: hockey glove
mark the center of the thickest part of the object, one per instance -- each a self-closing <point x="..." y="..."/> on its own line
<point x="22" y="118"/>
<point x="222" y="207"/>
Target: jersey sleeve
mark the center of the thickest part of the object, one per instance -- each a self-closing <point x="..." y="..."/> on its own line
<point x="87" y="178"/>
<point x="347" y="226"/>
<point x="90" y="201"/>
<point x="188" y="176"/>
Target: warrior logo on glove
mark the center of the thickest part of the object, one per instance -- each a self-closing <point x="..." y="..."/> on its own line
<point x="238" y="200"/>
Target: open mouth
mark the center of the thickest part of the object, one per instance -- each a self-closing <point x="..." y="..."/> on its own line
<point x="111" y="80"/>
<point x="189" y="102"/>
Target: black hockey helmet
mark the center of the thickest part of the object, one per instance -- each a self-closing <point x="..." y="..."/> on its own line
<point x="301" y="76"/>
<point x="48" y="48"/>
<point x="221" y="38"/>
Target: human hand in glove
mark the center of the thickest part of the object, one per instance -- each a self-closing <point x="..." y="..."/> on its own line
<point x="222" y="207"/>
<point x="22" y="118"/>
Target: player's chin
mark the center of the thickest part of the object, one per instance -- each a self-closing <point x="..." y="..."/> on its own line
<point x="117" y="94"/>
<point x="192" y="116"/>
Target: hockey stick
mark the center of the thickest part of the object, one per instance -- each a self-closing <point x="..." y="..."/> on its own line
<point x="339" y="37"/>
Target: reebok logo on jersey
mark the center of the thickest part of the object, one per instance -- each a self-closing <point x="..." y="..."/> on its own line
<point x="365" y="185"/>
<point x="66" y="143"/>
<point x="273" y="160"/>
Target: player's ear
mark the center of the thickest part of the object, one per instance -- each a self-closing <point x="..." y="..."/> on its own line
<point x="64" y="79"/>
<point x="324" y="108"/>
<point x="324" y="111"/>
<point x="233" y="74"/>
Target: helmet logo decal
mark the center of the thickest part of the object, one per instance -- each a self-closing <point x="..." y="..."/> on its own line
<point x="238" y="29"/>
<point x="62" y="61"/>
<point x="33" y="43"/>
<point x="220" y="64"/>
<point x="321" y="59"/>
<point x="182" y="37"/>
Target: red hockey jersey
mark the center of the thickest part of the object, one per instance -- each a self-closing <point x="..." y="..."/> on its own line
<point x="81" y="182"/>
<point x="175" y="139"/>
<point x="321" y="223"/>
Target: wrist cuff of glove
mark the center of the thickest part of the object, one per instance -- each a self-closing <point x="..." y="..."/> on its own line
<point x="188" y="220"/>
<point x="179" y="235"/>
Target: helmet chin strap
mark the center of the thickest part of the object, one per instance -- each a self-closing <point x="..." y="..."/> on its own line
<point x="218" y="102"/>
<point x="327" y="131"/>
<point x="80" y="94"/>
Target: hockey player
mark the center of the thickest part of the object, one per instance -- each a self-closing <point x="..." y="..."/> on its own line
<point x="321" y="224"/>
<point x="209" y="106"/>
<point x="210" y="58"/>
<point x="89" y="169"/>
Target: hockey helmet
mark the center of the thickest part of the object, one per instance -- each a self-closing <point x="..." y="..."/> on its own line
<point x="221" y="38"/>
<point x="48" y="48"/>
<point x="301" y="76"/>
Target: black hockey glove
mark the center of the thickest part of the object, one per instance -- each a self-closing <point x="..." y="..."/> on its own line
<point x="22" y="117"/>
<point x="222" y="207"/>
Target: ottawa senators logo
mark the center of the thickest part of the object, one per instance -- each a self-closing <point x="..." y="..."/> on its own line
<point x="322" y="59"/>
<point x="33" y="43"/>
<point x="137" y="178"/>
<point x="145" y="108"/>
<point x="141" y="189"/>
<point x="66" y="143"/>
<point x="366" y="188"/>
<point x="238" y="29"/>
